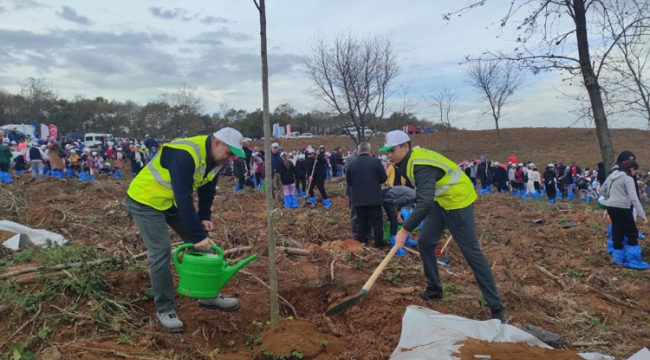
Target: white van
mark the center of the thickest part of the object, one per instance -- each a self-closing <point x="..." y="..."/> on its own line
<point x="94" y="140"/>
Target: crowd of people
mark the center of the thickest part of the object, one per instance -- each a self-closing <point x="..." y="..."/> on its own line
<point x="71" y="158"/>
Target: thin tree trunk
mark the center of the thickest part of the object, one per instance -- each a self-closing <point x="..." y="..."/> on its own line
<point x="268" y="176"/>
<point x="591" y="83"/>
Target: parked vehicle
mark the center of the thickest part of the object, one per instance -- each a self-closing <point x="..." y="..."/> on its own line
<point x="306" y="135"/>
<point x="75" y="135"/>
<point x="94" y="140"/>
<point x="410" y="129"/>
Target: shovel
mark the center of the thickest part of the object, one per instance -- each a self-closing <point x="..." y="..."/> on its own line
<point x="443" y="258"/>
<point x="349" y="301"/>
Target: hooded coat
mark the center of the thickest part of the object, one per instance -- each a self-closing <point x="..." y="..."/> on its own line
<point x="619" y="192"/>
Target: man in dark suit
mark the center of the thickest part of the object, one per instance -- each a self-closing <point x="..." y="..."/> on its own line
<point x="366" y="175"/>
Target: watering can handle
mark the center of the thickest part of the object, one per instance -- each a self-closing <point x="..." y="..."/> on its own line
<point x="217" y="249"/>
<point x="178" y="250"/>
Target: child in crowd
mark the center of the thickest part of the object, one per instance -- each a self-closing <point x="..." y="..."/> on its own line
<point x="288" y="178"/>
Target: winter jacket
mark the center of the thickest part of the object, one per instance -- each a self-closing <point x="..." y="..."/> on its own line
<point x="320" y="172"/>
<point x="393" y="180"/>
<point x="19" y="162"/>
<point x="56" y="162"/>
<point x="276" y="162"/>
<point x="549" y="177"/>
<point x="365" y="176"/>
<point x="402" y="196"/>
<point x="301" y="169"/>
<point x="5" y="155"/>
<point x="619" y="192"/>
<point x="287" y="174"/>
<point x="34" y="153"/>
<point x="602" y="175"/>
<point x="239" y="167"/>
<point x="533" y="175"/>
<point x="519" y="176"/>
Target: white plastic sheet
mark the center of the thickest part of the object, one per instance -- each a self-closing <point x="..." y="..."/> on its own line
<point x="426" y="332"/>
<point x="26" y="236"/>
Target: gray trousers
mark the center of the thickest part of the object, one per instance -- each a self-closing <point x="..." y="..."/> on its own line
<point x="152" y="224"/>
<point x="462" y="225"/>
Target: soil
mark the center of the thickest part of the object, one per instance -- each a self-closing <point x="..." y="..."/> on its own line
<point x="6" y="235"/>
<point x="589" y="300"/>
<point x="509" y="351"/>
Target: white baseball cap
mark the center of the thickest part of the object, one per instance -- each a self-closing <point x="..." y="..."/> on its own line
<point x="275" y="145"/>
<point x="394" y="138"/>
<point x="232" y="138"/>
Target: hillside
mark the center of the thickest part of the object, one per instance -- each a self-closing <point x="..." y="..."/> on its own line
<point x="539" y="145"/>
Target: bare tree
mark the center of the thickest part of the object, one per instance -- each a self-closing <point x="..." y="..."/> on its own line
<point x="496" y="81"/>
<point x="624" y="74"/>
<point x="443" y="100"/>
<point x="273" y="277"/>
<point x="353" y="76"/>
<point x="39" y="96"/>
<point x="547" y="34"/>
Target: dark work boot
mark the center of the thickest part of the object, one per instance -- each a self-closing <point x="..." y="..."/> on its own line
<point x="499" y="313"/>
<point x="431" y="294"/>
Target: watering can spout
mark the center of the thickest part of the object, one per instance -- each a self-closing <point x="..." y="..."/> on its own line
<point x="227" y="272"/>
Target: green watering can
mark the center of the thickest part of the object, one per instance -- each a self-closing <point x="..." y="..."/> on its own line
<point x="202" y="275"/>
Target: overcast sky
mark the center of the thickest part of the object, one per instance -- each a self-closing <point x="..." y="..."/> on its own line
<point x="138" y="49"/>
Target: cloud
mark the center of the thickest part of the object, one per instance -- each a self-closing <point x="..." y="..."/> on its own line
<point x="216" y="37"/>
<point x="209" y="20"/>
<point x="2" y="9"/>
<point x="70" y="14"/>
<point x="171" y="14"/>
<point x="27" y="4"/>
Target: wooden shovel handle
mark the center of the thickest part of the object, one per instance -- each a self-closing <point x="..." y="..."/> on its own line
<point x="313" y="169"/>
<point x="446" y="244"/>
<point x="379" y="269"/>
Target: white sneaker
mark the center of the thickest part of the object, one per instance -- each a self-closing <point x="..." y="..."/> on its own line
<point x="220" y="302"/>
<point x="170" y="321"/>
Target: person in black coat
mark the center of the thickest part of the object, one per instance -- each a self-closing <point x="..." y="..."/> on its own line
<point x="320" y="173"/>
<point x="550" y="180"/>
<point x="366" y="176"/>
<point x="288" y="178"/>
<point x="239" y="170"/>
<point x="500" y="177"/>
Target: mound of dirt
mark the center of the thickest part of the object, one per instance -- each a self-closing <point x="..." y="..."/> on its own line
<point x="511" y="351"/>
<point x="297" y="339"/>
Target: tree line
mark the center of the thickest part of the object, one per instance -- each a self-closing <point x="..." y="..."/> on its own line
<point x="176" y="114"/>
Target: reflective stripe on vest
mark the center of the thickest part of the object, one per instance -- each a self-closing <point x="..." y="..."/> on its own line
<point x="156" y="174"/>
<point x="454" y="190"/>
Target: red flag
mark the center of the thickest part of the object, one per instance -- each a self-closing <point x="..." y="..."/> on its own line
<point x="53" y="131"/>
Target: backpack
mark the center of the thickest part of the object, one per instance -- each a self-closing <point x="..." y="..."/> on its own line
<point x="61" y="152"/>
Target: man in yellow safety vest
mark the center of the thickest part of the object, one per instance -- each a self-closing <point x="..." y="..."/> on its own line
<point x="444" y="198"/>
<point x="161" y="195"/>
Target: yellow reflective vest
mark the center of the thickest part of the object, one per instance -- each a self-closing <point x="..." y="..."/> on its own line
<point x="454" y="190"/>
<point x="152" y="186"/>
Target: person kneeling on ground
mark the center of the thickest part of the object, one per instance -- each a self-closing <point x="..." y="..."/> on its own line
<point x="161" y="195"/>
<point x="444" y="198"/>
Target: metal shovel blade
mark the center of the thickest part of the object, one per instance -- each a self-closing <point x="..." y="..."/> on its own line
<point x="346" y="303"/>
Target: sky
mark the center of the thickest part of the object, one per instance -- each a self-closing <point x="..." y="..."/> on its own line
<point x="138" y="49"/>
